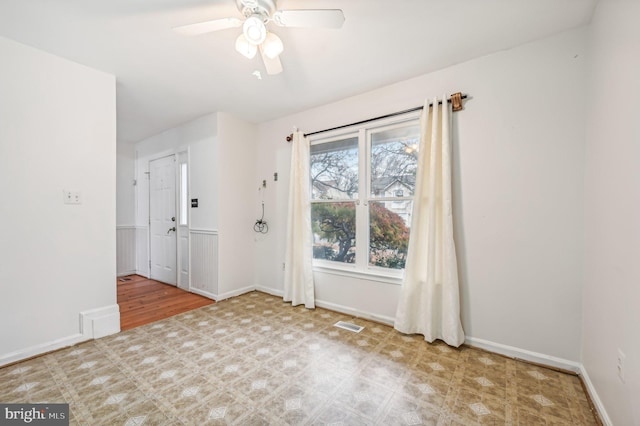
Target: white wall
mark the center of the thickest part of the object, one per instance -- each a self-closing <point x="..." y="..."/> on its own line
<point x="57" y="131"/>
<point x="519" y="155"/>
<point x="203" y="180"/>
<point x="611" y="301"/>
<point x="125" y="190"/>
<point x="238" y="190"/>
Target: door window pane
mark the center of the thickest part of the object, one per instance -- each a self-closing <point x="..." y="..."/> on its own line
<point x="334" y="170"/>
<point x="334" y="231"/>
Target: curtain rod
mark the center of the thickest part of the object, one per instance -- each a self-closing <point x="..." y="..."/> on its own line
<point x="455" y="99"/>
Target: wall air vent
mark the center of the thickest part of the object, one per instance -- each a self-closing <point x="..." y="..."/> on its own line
<point x="349" y="326"/>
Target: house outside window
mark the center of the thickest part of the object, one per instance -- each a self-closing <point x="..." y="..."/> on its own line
<point x="362" y="186"/>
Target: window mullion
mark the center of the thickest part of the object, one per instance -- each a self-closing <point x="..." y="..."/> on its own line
<point x="362" y="210"/>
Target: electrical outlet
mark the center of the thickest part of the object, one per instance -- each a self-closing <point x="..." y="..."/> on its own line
<point x="72" y="197"/>
<point x="620" y="364"/>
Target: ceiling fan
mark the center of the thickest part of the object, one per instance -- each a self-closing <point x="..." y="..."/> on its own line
<point x="255" y="36"/>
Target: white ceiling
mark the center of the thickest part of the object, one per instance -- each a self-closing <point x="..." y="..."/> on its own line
<point x="165" y="79"/>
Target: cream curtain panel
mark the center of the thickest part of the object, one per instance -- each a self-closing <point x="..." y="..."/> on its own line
<point x="298" y="272"/>
<point x="429" y="299"/>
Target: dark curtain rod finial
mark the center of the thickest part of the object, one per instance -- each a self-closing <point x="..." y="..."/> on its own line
<point x="290" y="137"/>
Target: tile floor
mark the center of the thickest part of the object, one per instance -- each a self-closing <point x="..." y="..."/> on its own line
<point x="254" y="360"/>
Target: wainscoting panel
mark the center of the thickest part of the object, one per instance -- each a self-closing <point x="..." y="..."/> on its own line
<point x="142" y="250"/>
<point x="125" y="250"/>
<point x="204" y="262"/>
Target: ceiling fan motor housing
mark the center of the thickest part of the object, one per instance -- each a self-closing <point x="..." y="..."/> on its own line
<point x="263" y="8"/>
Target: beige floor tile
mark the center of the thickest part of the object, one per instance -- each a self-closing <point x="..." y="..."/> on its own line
<point x="254" y="360"/>
<point x="405" y="410"/>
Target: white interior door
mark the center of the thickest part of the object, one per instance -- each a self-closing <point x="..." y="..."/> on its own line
<point x="162" y="219"/>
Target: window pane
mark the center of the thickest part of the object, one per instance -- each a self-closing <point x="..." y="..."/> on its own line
<point x="394" y="161"/>
<point x="183" y="194"/>
<point x="334" y="231"/>
<point x="389" y="223"/>
<point x="334" y="170"/>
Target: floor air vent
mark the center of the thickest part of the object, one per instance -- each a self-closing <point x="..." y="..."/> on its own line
<point x="349" y="326"/>
<point x="125" y="279"/>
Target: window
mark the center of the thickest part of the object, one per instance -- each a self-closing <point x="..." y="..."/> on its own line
<point x="362" y="186"/>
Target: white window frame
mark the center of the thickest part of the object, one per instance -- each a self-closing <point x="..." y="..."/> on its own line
<point x="361" y="268"/>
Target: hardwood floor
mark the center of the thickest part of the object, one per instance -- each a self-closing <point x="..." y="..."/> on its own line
<point x="143" y="301"/>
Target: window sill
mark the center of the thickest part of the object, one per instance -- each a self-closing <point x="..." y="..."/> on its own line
<point x="372" y="275"/>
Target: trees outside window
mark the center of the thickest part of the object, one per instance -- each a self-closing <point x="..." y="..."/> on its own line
<point x="362" y="187"/>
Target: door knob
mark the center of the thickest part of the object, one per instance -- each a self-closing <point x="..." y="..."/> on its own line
<point x="171" y="229"/>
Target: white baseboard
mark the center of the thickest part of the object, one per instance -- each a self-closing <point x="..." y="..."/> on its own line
<point x="100" y="322"/>
<point x="222" y="296"/>
<point x="271" y="291"/>
<point x="595" y="398"/>
<point x="125" y="273"/>
<point x="203" y="293"/>
<point x="41" y="349"/>
<point x="355" y="312"/>
<point x="524" y="354"/>
<point x="143" y="273"/>
<point x="335" y="307"/>
<point x="234" y="293"/>
<point x="94" y="323"/>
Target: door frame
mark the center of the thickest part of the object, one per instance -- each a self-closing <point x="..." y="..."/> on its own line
<point x="183" y="253"/>
<point x="182" y="153"/>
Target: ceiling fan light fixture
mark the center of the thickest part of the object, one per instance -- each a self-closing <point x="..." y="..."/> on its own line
<point x="245" y="48"/>
<point x="254" y="29"/>
<point x="256" y="15"/>
<point x="272" y="46"/>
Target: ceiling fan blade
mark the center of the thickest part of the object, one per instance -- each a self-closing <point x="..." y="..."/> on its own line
<point x="208" y="26"/>
<point x="273" y="66"/>
<point x="324" y="18"/>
